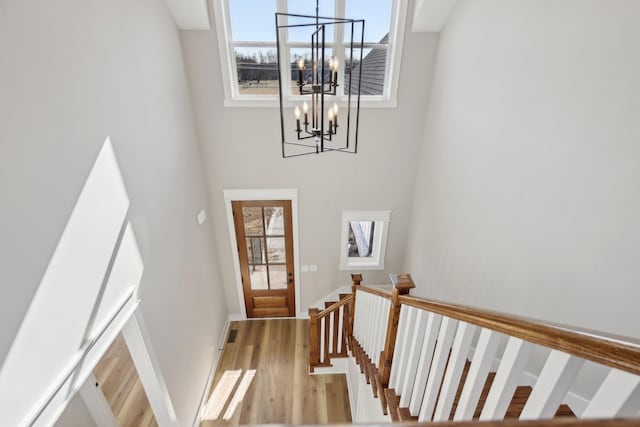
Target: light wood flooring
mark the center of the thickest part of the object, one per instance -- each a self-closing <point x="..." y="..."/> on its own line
<point x="282" y="391"/>
<point x="118" y="378"/>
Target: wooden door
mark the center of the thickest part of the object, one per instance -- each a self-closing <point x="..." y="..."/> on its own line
<point x="264" y="234"/>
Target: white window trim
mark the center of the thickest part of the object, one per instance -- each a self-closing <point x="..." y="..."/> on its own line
<point x="380" y="235"/>
<point x="225" y="50"/>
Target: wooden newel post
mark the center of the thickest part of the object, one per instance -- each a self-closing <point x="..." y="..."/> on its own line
<point x="314" y="339"/>
<point x="402" y="285"/>
<point x="356" y="278"/>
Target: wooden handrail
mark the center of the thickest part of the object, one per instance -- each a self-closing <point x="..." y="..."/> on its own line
<point x="555" y="422"/>
<point x="610" y="350"/>
<point x="375" y="291"/>
<point x="336" y="305"/>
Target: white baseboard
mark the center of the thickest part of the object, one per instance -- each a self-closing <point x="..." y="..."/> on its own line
<point x="214" y="365"/>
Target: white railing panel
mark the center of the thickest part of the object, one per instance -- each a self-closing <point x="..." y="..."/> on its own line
<point x="397" y="354"/>
<point x="504" y="385"/>
<point x="330" y="323"/>
<point x="552" y="385"/>
<point x="415" y="349"/>
<point x="443" y="345"/>
<point x="424" y="364"/>
<point x="617" y="397"/>
<point x="480" y="365"/>
<point x="322" y="326"/>
<point x="457" y="360"/>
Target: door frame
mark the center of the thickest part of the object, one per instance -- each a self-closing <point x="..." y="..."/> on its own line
<point x="263" y="194"/>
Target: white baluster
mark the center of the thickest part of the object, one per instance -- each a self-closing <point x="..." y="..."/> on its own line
<point x="397" y="354"/>
<point x="552" y="385"/>
<point x="406" y="345"/>
<point x="504" y="385"/>
<point x="480" y="365"/>
<point x="617" y="397"/>
<point x="322" y="326"/>
<point x="424" y="365"/>
<point x="331" y="326"/>
<point x="340" y="326"/>
<point x="457" y="360"/>
<point x="415" y="349"/>
<point x="443" y="345"/>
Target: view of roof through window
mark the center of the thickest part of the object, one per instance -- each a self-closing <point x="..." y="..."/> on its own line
<point x="254" y="50"/>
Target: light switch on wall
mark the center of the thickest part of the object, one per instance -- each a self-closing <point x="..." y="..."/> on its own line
<point x="304" y="268"/>
<point x="313" y="268"/>
<point x="201" y="216"/>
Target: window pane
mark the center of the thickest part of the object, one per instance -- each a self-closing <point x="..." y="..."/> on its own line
<point x="257" y="70"/>
<point x="377" y="19"/>
<point x="276" y="250"/>
<point x="252" y="218"/>
<point x="278" y="276"/>
<point x="259" y="277"/>
<point x="308" y="7"/>
<point x="252" y="20"/>
<point x="305" y="54"/>
<point x="361" y="238"/>
<point x="274" y="221"/>
<point x="373" y="68"/>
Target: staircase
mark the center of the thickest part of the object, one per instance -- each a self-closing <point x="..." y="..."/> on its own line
<point x="428" y="361"/>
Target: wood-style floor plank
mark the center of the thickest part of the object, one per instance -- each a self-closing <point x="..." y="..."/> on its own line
<point x="282" y="391"/>
<point x="121" y="386"/>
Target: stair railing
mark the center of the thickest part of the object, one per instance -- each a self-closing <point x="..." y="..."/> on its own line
<point x="432" y="361"/>
<point x="330" y="332"/>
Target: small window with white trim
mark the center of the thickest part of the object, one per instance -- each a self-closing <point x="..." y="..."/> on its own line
<point x="364" y="239"/>
<point x="248" y="51"/>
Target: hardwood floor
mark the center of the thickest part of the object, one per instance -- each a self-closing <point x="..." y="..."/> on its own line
<point x="282" y="391"/>
<point x="122" y="388"/>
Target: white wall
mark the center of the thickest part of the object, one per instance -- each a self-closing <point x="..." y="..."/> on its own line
<point x="527" y="198"/>
<point x="76" y="414"/>
<point x="241" y="148"/>
<point x="71" y="73"/>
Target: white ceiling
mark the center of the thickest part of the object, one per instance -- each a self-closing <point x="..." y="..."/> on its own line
<point x="431" y="15"/>
<point x="190" y="14"/>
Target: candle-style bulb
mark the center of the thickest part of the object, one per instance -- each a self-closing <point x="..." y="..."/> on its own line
<point x="335" y="108"/>
<point x="305" y="107"/>
<point x="300" y="63"/>
<point x="331" y="63"/>
<point x="297" y="112"/>
<point x="335" y="64"/>
<point x="330" y="114"/>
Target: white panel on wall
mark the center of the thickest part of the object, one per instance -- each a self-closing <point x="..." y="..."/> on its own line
<point x="59" y="319"/>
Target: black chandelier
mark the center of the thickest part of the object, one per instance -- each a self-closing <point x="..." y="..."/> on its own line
<point x="312" y="126"/>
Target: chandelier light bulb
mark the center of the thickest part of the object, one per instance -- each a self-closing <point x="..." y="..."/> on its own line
<point x="305" y="107"/>
<point x="297" y="112"/>
<point x="330" y="114"/>
<point x="301" y="63"/>
<point x="335" y="108"/>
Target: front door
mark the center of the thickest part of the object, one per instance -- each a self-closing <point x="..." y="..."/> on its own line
<point x="264" y="235"/>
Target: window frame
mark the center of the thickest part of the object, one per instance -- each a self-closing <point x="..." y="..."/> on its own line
<point x="226" y="47"/>
<point x="381" y="218"/>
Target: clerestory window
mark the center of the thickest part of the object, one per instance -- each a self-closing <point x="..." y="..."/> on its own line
<point x="248" y="50"/>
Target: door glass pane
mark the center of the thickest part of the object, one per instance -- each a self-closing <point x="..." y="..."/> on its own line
<point x="275" y="250"/>
<point x="255" y="251"/>
<point x="258" y="277"/>
<point x="252" y="221"/>
<point x="274" y="221"/>
<point x="278" y="276"/>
